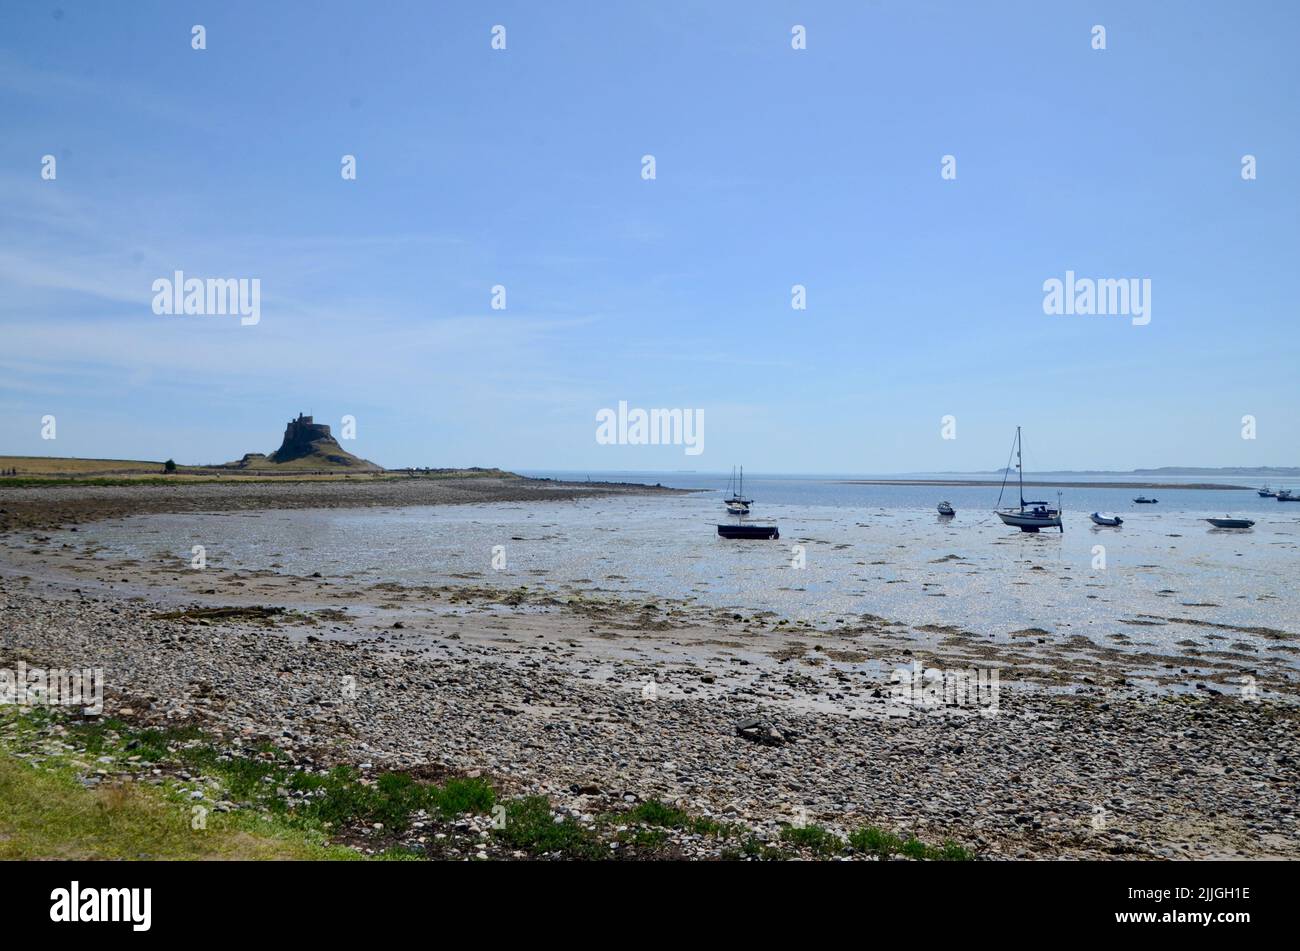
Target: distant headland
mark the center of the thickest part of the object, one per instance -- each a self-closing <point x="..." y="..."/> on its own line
<point x="308" y="450"/>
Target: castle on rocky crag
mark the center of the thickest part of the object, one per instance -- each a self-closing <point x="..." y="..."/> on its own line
<point x="305" y="437"/>
<point x="299" y="435"/>
<point x="310" y="446"/>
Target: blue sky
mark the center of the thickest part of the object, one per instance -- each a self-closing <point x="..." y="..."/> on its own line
<point x="522" y="167"/>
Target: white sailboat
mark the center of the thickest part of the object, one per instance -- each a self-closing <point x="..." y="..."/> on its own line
<point x="1028" y="516"/>
<point x="736" y="503"/>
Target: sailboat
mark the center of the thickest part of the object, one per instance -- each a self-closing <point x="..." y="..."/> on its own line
<point x="1029" y="516"/>
<point x="738" y="506"/>
<point x="736" y="503"/>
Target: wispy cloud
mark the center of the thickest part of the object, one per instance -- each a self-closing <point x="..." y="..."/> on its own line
<point x="106" y="92"/>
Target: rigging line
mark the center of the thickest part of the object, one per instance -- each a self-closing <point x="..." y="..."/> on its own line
<point x="1006" y="472"/>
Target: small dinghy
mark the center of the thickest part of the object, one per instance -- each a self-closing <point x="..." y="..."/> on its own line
<point x="748" y="531"/>
<point x="946" y="508"/>
<point x="1229" y="522"/>
<point x="1113" y="520"/>
<point x="1143" y="500"/>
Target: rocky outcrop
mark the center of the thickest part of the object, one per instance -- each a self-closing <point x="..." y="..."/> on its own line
<point x="307" y="444"/>
<point x="302" y="437"/>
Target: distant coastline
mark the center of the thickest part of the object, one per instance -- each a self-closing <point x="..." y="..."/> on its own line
<point x="1263" y="473"/>
<point x="1057" y="485"/>
<point x="1267" y="472"/>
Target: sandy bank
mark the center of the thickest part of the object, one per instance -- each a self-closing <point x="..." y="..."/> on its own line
<point x="47" y="507"/>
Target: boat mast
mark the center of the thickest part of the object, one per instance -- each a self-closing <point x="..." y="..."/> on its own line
<point x="1020" y="468"/>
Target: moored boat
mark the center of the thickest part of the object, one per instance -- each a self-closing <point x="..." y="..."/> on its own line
<point x="736" y="502"/>
<point x="1143" y="500"/>
<point x="748" y="531"/>
<point x="945" y="508"/>
<point x="1111" y="520"/>
<point x="1030" y="516"/>
<point x="1036" y="515"/>
<point x="1229" y="522"/>
<point x="1286" y="495"/>
<point x="1267" y="493"/>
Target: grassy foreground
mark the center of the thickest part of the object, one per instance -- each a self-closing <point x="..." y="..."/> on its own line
<point x="92" y="788"/>
<point x="47" y="814"/>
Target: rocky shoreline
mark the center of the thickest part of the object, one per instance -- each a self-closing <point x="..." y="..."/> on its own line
<point x="1091" y="773"/>
<point x="604" y="706"/>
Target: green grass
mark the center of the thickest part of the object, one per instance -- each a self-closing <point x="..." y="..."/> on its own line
<point x="459" y="796"/>
<point x="98" y="736"/>
<point x="655" y="813"/>
<point x="652" y="812"/>
<point x="27" y="482"/>
<point x="36" y="471"/>
<point x="153" y="822"/>
<point x="290" y="812"/>
<point x="872" y="840"/>
<point x="649" y="818"/>
<point x="335" y="799"/>
<point x="647" y="840"/>
<point x="47" y="814"/>
<point x="814" y="839"/>
<point x="754" y="848"/>
<point x="531" y="827"/>
<point x="339" y="797"/>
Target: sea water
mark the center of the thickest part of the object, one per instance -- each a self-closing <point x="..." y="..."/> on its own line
<point x="844" y="551"/>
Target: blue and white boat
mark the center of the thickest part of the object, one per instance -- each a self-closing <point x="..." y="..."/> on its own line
<point x="1029" y="516"/>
